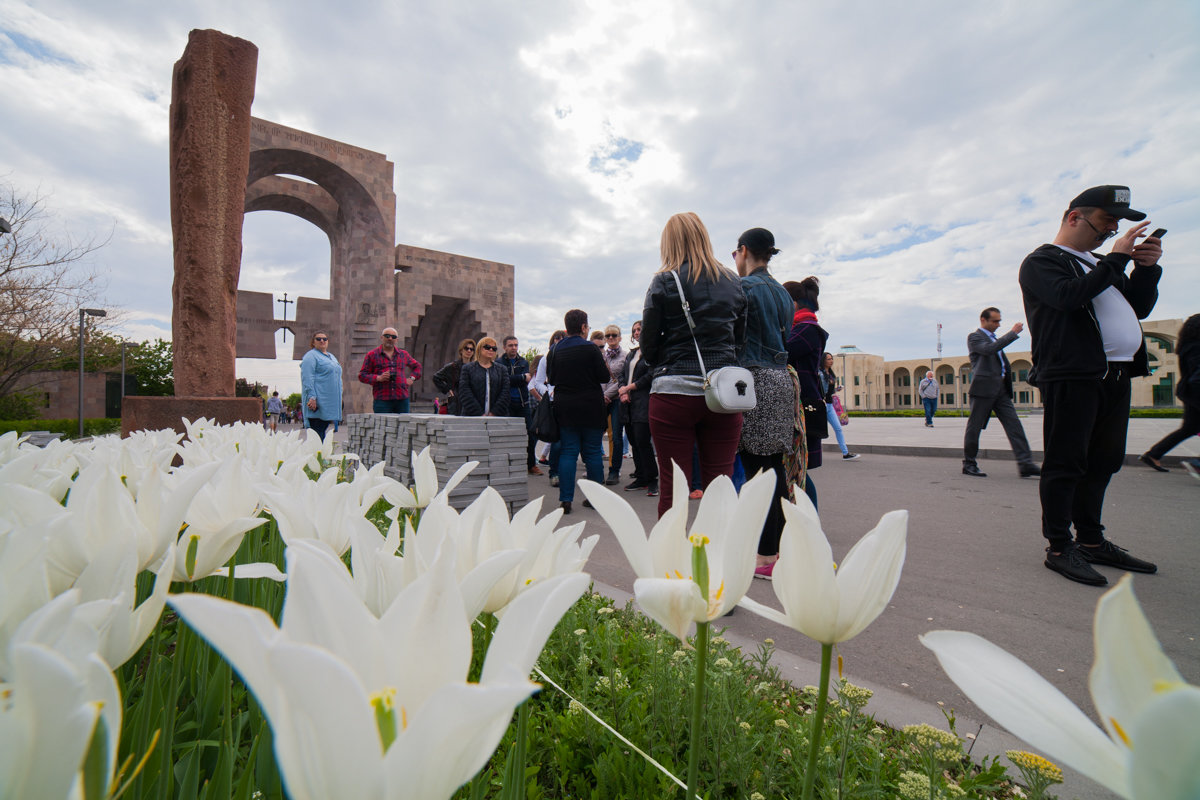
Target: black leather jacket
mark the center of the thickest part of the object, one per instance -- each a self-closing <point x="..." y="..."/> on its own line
<point x="472" y="390"/>
<point x="718" y="309"/>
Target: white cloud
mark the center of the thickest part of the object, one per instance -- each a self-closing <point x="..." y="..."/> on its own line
<point x="934" y="143"/>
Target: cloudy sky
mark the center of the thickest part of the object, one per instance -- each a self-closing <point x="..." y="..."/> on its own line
<point x="908" y="154"/>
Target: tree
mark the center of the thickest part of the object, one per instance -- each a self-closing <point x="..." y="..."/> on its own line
<point x="152" y="365"/>
<point x="45" y="279"/>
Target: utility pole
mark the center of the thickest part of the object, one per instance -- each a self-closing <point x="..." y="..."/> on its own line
<point x="285" y="302"/>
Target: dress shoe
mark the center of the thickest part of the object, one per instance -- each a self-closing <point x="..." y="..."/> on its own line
<point x="974" y="471"/>
<point x="1030" y="470"/>
<point x="1074" y="567"/>
<point x="1152" y="463"/>
<point x="534" y="470"/>
<point x="588" y="504"/>
<point x="566" y="506"/>
<point x="613" y="479"/>
<point x="1108" y="554"/>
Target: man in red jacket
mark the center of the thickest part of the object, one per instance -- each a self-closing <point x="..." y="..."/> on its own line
<point x="390" y="371"/>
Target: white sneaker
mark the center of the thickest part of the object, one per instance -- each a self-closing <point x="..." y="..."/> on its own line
<point x="851" y="457"/>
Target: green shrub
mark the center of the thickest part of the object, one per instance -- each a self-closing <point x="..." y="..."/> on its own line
<point x="69" y="428"/>
<point x="19" y="405"/>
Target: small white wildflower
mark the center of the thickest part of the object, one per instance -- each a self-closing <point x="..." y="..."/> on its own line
<point x="580" y="631"/>
<point x="723" y="663"/>
<point x="575" y="708"/>
<point x="782" y="723"/>
<point x="604" y="610"/>
<point x="744" y="726"/>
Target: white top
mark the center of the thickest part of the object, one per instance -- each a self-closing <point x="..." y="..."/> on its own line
<point x="538" y="384"/>
<point x="1119" y="326"/>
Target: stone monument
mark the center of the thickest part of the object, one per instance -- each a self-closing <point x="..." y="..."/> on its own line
<point x="212" y="89"/>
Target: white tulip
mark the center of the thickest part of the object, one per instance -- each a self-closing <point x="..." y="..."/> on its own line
<point x="727" y="526"/>
<point x="826" y="603"/>
<point x="1150" y="744"/>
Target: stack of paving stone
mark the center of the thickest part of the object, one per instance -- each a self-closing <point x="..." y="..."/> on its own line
<point x="497" y="443"/>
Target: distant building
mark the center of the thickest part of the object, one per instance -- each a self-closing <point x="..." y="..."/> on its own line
<point x="873" y="384"/>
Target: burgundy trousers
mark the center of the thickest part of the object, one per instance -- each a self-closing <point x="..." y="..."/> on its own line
<point x="679" y="422"/>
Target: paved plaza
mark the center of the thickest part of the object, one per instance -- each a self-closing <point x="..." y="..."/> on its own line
<point x="974" y="563"/>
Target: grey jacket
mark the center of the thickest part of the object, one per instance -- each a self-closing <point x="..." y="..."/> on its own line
<point x="986" y="359"/>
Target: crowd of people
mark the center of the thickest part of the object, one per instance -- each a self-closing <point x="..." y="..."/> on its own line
<point x="662" y="401"/>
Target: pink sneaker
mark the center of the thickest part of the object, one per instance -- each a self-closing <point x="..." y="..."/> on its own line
<point x="765" y="571"/>
<point x="696" y="494"/>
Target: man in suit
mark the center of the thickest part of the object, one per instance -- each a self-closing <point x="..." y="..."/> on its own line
<point x="991" y="390"/>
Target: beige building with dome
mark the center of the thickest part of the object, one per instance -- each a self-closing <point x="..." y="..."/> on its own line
<point x="872" y="384"/>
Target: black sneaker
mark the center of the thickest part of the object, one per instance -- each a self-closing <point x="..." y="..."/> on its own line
<point x="652" y="489"/>
<point x="612" y="480"/>
<point x="1109" y="555"/>
<point x="633" y="487"/>
<point x="1074" y="567"/>
<point x="851" y="457"/>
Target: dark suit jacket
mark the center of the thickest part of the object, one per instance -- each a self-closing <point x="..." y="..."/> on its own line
<point x="986" y="359"/>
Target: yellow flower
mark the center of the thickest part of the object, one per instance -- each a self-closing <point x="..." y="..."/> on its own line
<point x="1034" y="763"/>
<point x="782" y="723"/>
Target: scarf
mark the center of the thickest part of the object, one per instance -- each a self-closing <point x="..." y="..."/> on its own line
<point x="804" y="315"/>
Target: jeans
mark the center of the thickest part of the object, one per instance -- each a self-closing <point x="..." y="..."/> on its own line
<point x="835" y="425"/>
<point x="555" y="453"/>
<point x="930" y="404"/>
<point x="390" y="406"/>
<point x="319" y="426"/>
<point x="616" y="440"/>
<point x="680" y="423"/>
<point x="576" y="440"/>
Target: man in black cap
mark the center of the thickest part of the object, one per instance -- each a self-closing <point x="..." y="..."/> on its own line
<point x="1083" y="313"/>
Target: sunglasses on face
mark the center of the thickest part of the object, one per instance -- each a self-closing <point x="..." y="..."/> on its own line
<point x="389" y="336"/>
<point x="320" y="339"/>
<point x="468" y="349"/>
<point x="490" y="347"/>
<point x="612" y="336"/>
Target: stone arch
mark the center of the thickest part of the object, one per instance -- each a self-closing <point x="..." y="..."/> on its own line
<point x="432" y="340"/>
<point x="350" y="199"/>
<point x="902" y="384"/>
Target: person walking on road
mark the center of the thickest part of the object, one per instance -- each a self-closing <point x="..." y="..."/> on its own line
<point x="1083" y="311"/>
<point x="577" y="372"/>
<point x="830" y="388"/>
<point x="991" y="391"/>
<point x="1188" y="348"/>
<point x="928" y="390"/>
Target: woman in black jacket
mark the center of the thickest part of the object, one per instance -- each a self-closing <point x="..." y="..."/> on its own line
<point x="805" y="346"/>
<point x="483" y="385"/>
<point x="680" y="419"/>
<point x="446" y="378"/>
<point x="1188" y="348"/>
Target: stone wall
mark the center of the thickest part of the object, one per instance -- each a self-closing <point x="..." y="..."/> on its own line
<point x="497" y="443"/>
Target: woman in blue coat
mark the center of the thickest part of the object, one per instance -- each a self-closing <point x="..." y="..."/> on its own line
<point x="320" y="385"/>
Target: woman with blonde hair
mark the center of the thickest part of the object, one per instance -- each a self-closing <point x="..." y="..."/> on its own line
<point x="483" y="385"/>
<point x="446" y="378"/>
<point x="679" y="416"/>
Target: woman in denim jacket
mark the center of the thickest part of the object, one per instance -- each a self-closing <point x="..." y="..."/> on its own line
<point x="769" y="429"/>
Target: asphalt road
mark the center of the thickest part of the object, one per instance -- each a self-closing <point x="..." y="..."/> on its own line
<point x="974" y="563"/>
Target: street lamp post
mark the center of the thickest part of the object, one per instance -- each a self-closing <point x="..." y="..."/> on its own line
<point x="83" y="313"/>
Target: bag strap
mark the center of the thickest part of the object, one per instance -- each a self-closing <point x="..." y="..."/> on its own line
<point x="687" y="313"/>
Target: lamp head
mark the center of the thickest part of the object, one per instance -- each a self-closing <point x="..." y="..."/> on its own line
<point x="94" y="312"/>
<point x="4" y="226"/>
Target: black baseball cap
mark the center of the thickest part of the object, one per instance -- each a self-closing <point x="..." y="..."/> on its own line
<point x="758" y="240"/>
<point x="1113" y="199"/>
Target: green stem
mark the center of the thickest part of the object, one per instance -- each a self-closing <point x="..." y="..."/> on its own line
<point x="166" y="768"/>
<point x="227" y="672"/>
<point x="697" y="709"/>
<point x="814" y="747"/>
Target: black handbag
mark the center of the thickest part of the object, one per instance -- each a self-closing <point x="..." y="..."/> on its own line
<point x="545" y="425"/>
<point x="816" y="423"/>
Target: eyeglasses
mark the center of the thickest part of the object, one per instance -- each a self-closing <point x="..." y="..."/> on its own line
<point x="737" y="250"/>
<point x="612" y="336"/>
<point x="320" y="338"/>
<point x="490" y="347"/>
<point x="389" y="336"/>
